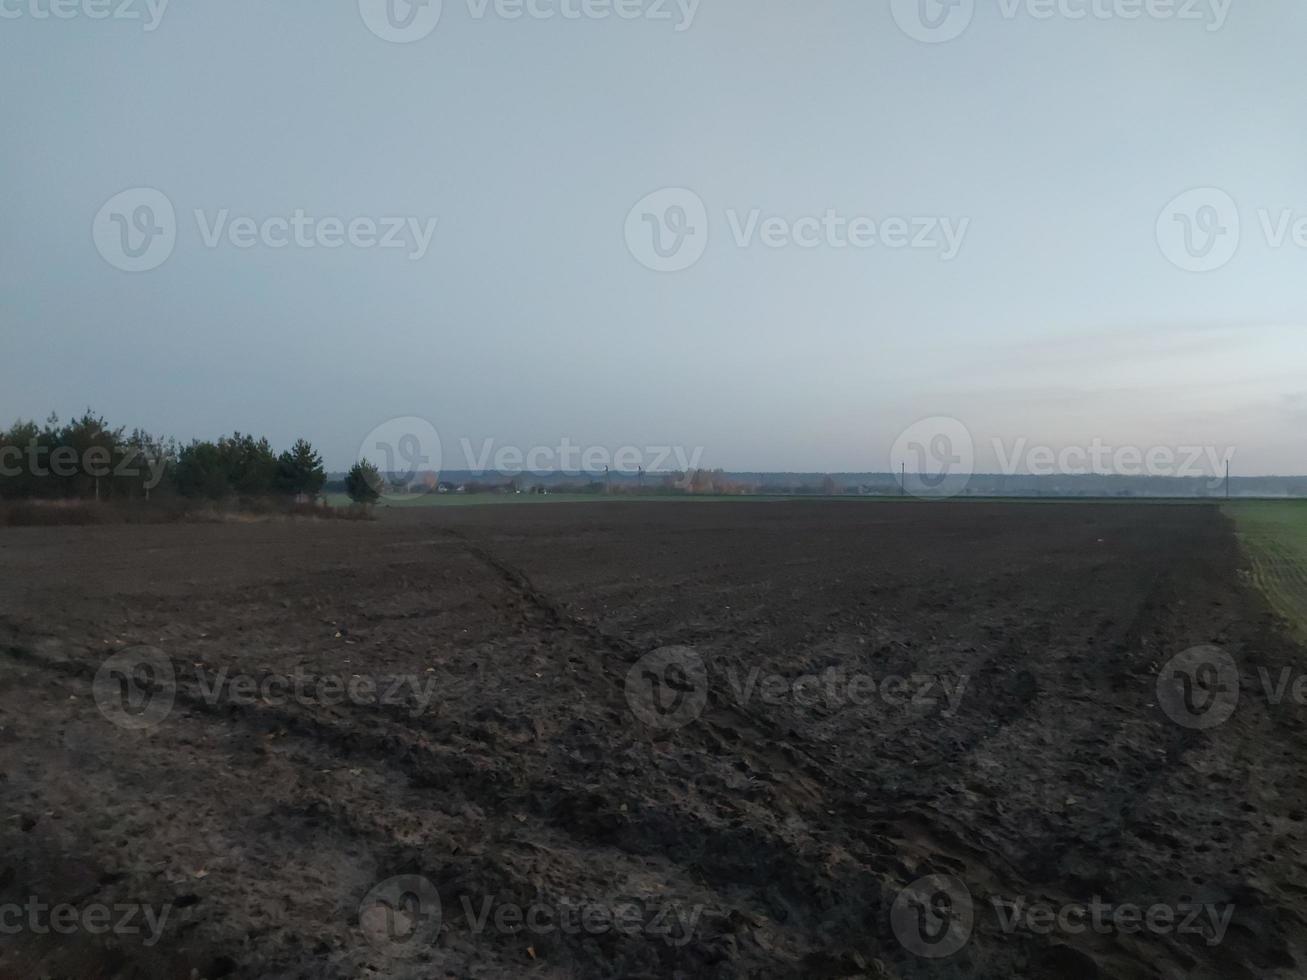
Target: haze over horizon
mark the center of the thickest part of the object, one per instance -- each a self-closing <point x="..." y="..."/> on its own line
<point x="1041" y="270"/>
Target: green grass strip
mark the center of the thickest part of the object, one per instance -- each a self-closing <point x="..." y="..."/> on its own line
<point x="1274" y="536"/>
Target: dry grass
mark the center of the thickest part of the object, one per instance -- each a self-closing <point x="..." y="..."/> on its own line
<point x="77" y="513"/>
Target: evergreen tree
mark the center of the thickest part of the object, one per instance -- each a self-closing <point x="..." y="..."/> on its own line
<point x="299" y="470"/>
<point x="363" y="483"/>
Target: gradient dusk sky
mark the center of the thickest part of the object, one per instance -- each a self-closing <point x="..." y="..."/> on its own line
<point x="1126" y="191"/>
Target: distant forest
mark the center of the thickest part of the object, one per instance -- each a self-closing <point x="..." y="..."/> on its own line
<point x="87" y="459"/>
<point x="849" y="484"/>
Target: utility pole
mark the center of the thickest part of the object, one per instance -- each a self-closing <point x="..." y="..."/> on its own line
<point x="903" y="479"/>
<point x="1227" y="479"/>
<point x="608" y="482"/>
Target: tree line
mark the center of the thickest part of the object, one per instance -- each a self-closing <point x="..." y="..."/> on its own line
<point x="87" y="459"/>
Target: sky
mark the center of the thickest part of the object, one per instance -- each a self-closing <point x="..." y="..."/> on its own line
<point x="770" y="234"/>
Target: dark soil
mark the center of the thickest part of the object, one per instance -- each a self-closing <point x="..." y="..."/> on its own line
<point x="788" y="824"/>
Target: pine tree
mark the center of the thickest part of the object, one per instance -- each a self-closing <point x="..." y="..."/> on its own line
<point x="299" y="470"/>
<point x="363" y="483"/>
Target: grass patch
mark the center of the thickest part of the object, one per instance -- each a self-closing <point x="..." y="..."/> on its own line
<point x="1274" y="536"/>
